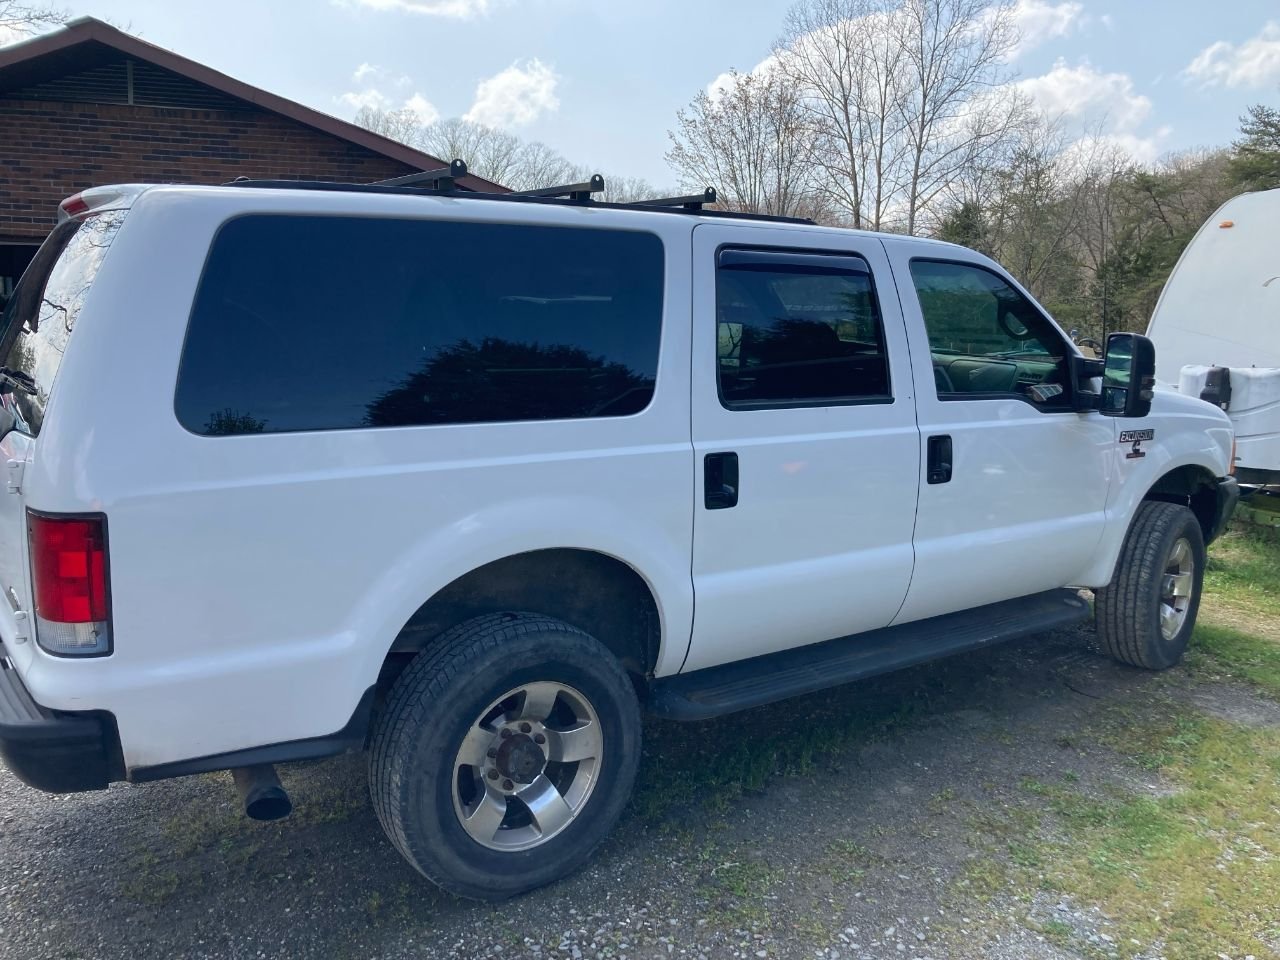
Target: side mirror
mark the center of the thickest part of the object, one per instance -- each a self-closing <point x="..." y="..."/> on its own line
<point x="1129" y="376"/>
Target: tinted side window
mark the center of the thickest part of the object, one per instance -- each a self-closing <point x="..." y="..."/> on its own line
<point x="797" y="329"/>
<point x="986" y="337"/>
<point x="322" y="323"/>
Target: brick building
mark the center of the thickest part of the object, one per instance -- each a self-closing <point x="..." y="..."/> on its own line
<point x="89" y="105"/>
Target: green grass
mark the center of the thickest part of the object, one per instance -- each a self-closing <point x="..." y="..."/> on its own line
<point x="1198" y="869"/>
<point x="1242" y="582"/>
<point x="1195" y="865"/>
<point x="1239" y="626"/>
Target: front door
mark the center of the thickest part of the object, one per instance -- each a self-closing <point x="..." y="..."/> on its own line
<point x="805" y="439"/>
<point x="1015" y="482"/>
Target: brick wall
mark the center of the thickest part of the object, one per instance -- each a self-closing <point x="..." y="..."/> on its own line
<point x="48" y="151"/>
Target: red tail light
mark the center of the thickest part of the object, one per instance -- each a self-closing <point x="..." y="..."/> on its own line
<point x="74" y="206"/>
<point x="69" y="582"/>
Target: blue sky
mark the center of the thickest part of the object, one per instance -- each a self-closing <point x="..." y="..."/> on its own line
<point x="601" y="80"/>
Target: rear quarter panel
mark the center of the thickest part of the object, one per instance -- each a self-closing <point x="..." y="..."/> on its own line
<point x="258" y="581"/>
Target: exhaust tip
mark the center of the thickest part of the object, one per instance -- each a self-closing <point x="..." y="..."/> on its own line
<point x="271" y="804"/>
<point x="261" y="792"/>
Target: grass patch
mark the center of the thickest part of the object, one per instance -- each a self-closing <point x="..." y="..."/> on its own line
<point x="1240" y="583"/>
<point x="1241" y="655"/>
<point x="1200" y="869"/>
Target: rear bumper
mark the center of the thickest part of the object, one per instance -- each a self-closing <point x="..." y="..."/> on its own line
<point x="1228" y="497"/>
<point x="51" y="750"/>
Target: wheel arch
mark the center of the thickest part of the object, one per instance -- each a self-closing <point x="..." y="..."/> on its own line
<point x="592" y="591"/>
<point x="1192" y="486"/>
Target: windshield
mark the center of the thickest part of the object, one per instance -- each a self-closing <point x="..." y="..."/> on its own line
<point x="42" y="314"/>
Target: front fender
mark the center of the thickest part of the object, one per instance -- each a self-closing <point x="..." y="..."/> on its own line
<point x="1188" y="433"/>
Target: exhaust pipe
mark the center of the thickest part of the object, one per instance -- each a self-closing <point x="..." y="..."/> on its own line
<point x="261" y="793"/>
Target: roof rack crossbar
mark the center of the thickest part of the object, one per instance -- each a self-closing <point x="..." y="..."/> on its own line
<point x="442" y="179"/>
<point x="691" y="202"/>
<point x="574" y="191"/>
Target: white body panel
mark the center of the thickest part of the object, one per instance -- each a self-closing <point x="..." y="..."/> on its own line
<point x="273" y="572"/>
<point x="819" y="545"/>
<point x="258" y="581"/>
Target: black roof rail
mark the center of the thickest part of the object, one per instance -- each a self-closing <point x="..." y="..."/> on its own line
<point x="573" y="191"/>
<point x="441" y="183"/>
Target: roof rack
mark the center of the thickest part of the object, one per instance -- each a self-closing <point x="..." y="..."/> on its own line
<point x="691" y="203"/>
<point x="442" y="179"/>
<point x="573" y="191"/>
<point x="442" y="182"/>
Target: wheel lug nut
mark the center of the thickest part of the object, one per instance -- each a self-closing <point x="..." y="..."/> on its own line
<point x="493" y="774"/>
<point x="492" y="754"/>
<point x="539" y="738"/>
<point x="505" y="734"/>
<point x="525" y="728"/>
<point x="507" y="785"/>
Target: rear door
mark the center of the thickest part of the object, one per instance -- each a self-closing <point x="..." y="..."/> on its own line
<point x="805" y="439"/>
<point x="38" y="323"/>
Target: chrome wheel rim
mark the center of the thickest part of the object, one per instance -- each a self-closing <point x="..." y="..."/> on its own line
<point x="1176" y="586"/>
<point x="527" y="766"/>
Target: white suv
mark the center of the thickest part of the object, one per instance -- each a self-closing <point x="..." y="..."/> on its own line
<point x="470" y="480"/>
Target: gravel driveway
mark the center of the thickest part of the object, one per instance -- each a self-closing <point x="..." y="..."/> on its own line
<point x="865" y="834"/>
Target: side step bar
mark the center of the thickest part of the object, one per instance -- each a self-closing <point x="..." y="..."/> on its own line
<point x="714" y="691"/>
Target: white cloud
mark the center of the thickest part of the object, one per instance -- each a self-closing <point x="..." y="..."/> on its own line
<point x="358" y="99"/>
<point x="1104" y="108"/>
<point x="454" y="9"/>
<point x="1254" y="63"/>
<point x="1039" y="21"/>
<point x="515" y="97"/>
<point x="423" y="108"/>
<point x="374" y="82"/>
<point x="1083" y="93"/>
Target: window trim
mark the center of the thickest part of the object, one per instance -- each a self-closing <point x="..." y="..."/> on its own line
<point x="739" y="406"/>
<point x="248" y="214"/>
<point x="963" y="397"/>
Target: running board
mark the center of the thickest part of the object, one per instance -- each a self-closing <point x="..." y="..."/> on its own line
<point x="714" y="691"/>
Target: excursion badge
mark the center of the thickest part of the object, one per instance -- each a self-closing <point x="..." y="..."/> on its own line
<point x="1136" y="437"/>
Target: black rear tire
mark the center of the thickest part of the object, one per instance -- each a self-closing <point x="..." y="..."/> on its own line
<point x="435" y="703"/>
<point x="1129" y="608"/>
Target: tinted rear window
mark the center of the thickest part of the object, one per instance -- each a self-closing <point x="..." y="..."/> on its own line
<point x="324" y="323"/>
<point x="42" y="314"/>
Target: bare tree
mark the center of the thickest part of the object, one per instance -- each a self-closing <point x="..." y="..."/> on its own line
<point x="750" y="139"/>
<point x="903" y="96"/>
<point x="404" y="126"/>
<point x="846" y="58"/>
<point x="20" y="20"/>
<point x="953" y="112"/>
<point x="493" y="154"/>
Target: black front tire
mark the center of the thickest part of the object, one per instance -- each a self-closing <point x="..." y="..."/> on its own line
<point x="436" y="701"/>
<point x="1129" y="608"/>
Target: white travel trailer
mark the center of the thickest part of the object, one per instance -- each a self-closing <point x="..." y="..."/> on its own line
<point x="1221" y="309"/>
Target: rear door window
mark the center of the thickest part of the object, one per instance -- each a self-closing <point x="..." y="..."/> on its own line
<point x="330" y="323"/>
<point x="797" y="329"/>
<point x="41" y="316"/>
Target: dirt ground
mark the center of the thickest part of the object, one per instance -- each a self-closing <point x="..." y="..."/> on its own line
<point x="872" y="821"/>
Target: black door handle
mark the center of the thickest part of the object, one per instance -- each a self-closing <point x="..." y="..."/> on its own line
<point x="938" y="469"/>
<point x="720" y="480"/>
